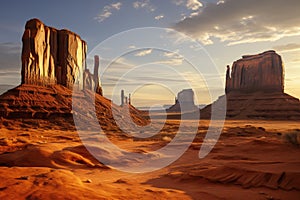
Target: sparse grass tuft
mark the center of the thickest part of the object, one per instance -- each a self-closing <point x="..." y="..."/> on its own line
<point x="292" y="137"/>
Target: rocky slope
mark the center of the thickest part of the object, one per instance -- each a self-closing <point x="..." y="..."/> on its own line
<point x="54" y="104"/>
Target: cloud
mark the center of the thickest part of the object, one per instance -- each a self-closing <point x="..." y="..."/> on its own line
<point x="172" y="61"/>
<point x="158" y="17"/>
<point x="193" y="4"/>
<point x="243" y="21"/>
<point x="287" y="47"/>
<point x="297" y="60"/>
<point x="145" y="4"/>
<point x="10" y="64"/>
<point x="171" y="58"/>
<point x="116" y="6"/>
<point x="131" y="47"/>
<point x="10" y="57"/>
<point x="107" y="11"/>
<point x="172" y="54"/>
<point x="189" y="4"/>
<point x="220" y="2"/>
<point x="178" y="2"/>
<point x="144" y="53"/>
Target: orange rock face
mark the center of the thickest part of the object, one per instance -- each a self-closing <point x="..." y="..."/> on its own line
<point x="51" y="56"/>
<point x="254" y="73"/>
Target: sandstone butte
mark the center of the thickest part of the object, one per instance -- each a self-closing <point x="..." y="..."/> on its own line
<point x="53" y="63"/>
<point x="51" y="56"/>
<point x="255" y="90"/>
<point x="186" y="97"/>
<point x="262" y="72"/>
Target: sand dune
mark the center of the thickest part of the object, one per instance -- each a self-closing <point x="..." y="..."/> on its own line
<point x="251" y="159"/>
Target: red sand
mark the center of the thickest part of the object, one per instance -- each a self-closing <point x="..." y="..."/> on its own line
<point x="251" y="160"/>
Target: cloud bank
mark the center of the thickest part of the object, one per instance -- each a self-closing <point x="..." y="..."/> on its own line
<point x="287" y="47"/>
<point x="243" y="21"/>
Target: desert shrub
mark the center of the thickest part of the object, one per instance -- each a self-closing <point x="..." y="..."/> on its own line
<point x="292" y="137"/>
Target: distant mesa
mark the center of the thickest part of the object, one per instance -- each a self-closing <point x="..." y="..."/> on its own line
<point x="51" y="56"/>
<point x="184" y="98"/>
<point x="255" y="90"/>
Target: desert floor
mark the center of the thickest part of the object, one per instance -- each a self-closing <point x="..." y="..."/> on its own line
<point x="251" y="160"/>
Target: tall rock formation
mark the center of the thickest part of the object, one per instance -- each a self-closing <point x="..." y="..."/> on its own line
<point x="51" y="56"/>
<point x="186" y="98"/>
<point x="91" y="81"/>
<point x="38" y="61"/>
<point x="255" y="90"/>
<point x="51" y="62"/>
<point x="253" y="73"/>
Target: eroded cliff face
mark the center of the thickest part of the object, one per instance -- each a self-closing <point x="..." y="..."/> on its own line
<point x="51" y="56"/>
<point x="38" y="61"/>
<point x="263" y="72"/>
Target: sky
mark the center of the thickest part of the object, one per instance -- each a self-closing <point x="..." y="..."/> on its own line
<point x="155" y="48"/>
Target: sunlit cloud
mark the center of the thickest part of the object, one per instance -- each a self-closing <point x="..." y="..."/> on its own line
<point x="172" y="61"/>
<point x="189" y="4"/>
<point x="131" y="47"/>
<point x="158" y="17"/>
<point x="144" y="52"/>
<point x="220" y="2"/>
<point x="243" y="21"/>
<point x="193" y="4"/>
<point x="108" y="11"/>
<point x="287" y="47"/>
<point x="144" y="4"/>
<point x="116" y="6"/>
<point x="172" y="58"/>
